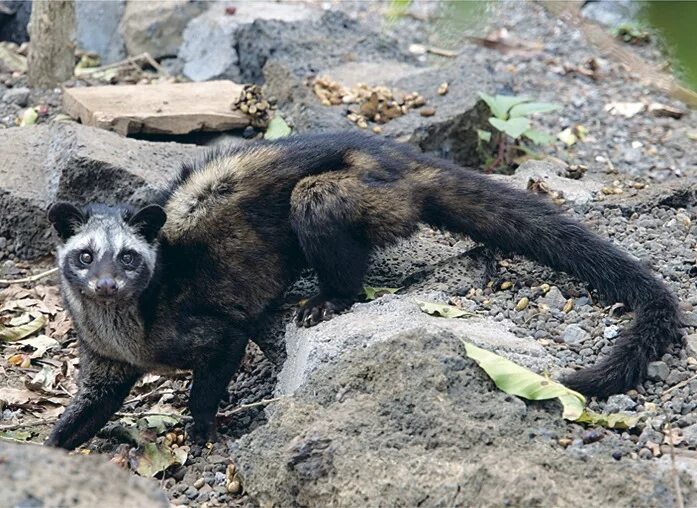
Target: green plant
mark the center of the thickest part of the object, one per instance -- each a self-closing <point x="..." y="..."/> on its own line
<point x="512" y="127"/>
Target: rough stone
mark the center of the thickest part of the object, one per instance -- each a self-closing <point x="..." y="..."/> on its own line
<point x="554" y="298"/>
<point x="13" y="23"/>
<point x="658" y="371"/>
<point x="619" y="403"/>
<point x="575" y="192"/>
<point x="311" y="349"/>
<point x="156" y="26"/>
<point x="690" y="435"/>
<point x="38" y="476"/>
<point x="209" y="42"/>
<point x="574" y="334"/>
<point x="97" y="28"/>
<point x="19" y="96"/>
<point x="412" y="420"/>
<point x="74" y="163"/>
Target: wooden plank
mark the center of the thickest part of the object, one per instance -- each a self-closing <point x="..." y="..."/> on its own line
<point x="172" y="108"/>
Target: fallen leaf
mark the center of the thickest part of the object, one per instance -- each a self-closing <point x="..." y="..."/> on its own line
<point x="372" y="293"/>
<point x="625" y="109"/>
<point x="16" y="435"/>
<point x="11" y="334"/>
<point x="154" y="458"/>
<point x="11" y="59"/>
<point x="658" y="109"/>
<point x="277" y="128"/>
<point x="160" y="423"/>
<point x="16" y="396"/>
<point x="621" y="421"/>
<point x="443" y="310"/>
<point x="43" y="381"/>
<point x="517" y="380"/>
<point x="41" y="344"/>
<point x="29" y="117"/>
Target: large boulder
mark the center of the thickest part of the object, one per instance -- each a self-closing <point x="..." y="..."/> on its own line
<point x="209" y="48"/>
<point x="38" y="476"/>
<point x="76" y="163"/>
<point x="156" y="26"/>
<point x="313" y="349"/>
<point x="98" y="28"/>
<point x="411" y="421"/>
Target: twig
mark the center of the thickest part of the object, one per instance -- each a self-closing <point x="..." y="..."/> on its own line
<point x="131" y="60"/>
<point x="674" y="470"/>
<point x="154" y="413"/>
<point x="679" y="385"/>
<point x="144" y="396"/>
<point x="25" y="425"/>
<point x="33" y="278"/>
<point x="244" y="407"/>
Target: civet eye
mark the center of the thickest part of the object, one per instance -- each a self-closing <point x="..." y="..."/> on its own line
<point x="85" y="257"/>
<point x="127" y="258"/>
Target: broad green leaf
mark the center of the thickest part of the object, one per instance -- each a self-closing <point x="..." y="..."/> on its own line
<point x="494" y="106"/>
<point x="529" y="108"/>
<point x="277" y="128"/>
<point x="372" y="293"/>
<point x="155" y="458"/>
<point x="443" y="310"/>
<point x="484" y="135"/>
<point x="506" y="102"/>
<point x="517" y="380"/>
<point x="513" y="127"/>
<point x="29" y="117"/>
<point x="621" y="421"/>
<point x="12" y="333"/>
<point x="538" y="137"/>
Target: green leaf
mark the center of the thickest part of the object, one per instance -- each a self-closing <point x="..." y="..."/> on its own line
<point x="443" y="310"/>
<point x="513" y="127"/>
<point x="277" y="128"/>
<point x="494" y="106"/>
<point x="16" y="435"/>
<point x="516" y="380"/>
<point x="506" y="102"/>
<point x="155" y="458"/>
<point x="621" y="421"/>
<point x="372" y="293"/>
<point x="538" y="137"/>
<point x="484" y="135"/>
<point x="160" y="423"/>
<point x="529" y="108"/>
<point x="10" y="334"/>
<point x="29" y="117"/>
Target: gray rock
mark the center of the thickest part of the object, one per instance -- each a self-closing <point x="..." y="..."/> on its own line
<point x="611" y="331"/>
<point x="209" y="47"/>
<point x="611" y="13"/>
<point x="691" y="342"/>
<point x="74" y="163"/>
<point x="658" y="371"/>
<point x="97" y="28"/>
<point x="619" y="403"/>
<point x="690" y="435"/>
<point x="554" y="298"/>
<point x="574" y="334"/>
<point x="19" y="96"/>
<point x="575" y="192"/>
<point x="392" y="422"/>
<point x="311" y="349"/>
<point x="156" y="26"/>
<point x="38" y="476"/>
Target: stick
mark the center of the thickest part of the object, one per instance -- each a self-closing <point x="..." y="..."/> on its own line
<point x="24" y="425"/>
<point x="33" y="278"/>
<point x="244" y="407"/>
<point x="679" y="385"/>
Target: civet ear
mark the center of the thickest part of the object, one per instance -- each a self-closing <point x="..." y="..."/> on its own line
<point x="66" y="218"/>
<point x="148" y="221"/>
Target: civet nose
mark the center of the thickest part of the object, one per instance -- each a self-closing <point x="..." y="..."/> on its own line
<point x="106" y="287"/>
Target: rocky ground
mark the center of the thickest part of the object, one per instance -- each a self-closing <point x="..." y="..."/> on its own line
<point x="386" y="406"/>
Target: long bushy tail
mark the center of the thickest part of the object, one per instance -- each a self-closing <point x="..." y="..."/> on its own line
<point x="523" y="223"/>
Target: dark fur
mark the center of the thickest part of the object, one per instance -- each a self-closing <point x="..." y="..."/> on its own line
<point x="233" y="243"/>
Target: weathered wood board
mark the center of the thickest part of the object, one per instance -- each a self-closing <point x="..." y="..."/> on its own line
<point x="172" y="108"/>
